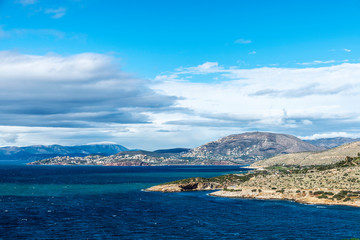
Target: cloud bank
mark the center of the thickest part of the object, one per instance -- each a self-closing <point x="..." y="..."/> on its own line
<point x="74" y="91"/>
<point x="84" y="98"/>
<point x="303" y="102"/>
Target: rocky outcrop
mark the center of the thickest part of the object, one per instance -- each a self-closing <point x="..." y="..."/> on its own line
<point x="192" y="186"/>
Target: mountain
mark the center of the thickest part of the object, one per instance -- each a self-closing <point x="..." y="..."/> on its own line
<point x="234" y="149"/>
<point x="332" y="142"/>
<point x="307" y="158"/>
<point x="36" y="152"/>
<point x="250" y="147"/>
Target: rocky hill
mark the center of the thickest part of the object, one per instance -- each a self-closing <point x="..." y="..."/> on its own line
<point x="250" y="147"/>
<point x="235" y="149"/>
<point x="307" y="158"/>
<point x="36" y="152"/>
<point x="332" y="142"/>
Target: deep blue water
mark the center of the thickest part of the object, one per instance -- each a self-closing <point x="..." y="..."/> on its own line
<point x="62" y="202"/>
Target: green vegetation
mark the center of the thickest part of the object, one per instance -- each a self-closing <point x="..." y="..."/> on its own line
<point x="338" y="183"/>
<point x="281" y="171"/>
<point x="346" y="195"/>
<point x="232" y="190"/>
<point x="296" y="169"/>
<point x="224" y="179"/>
<point x="322" y="196"/>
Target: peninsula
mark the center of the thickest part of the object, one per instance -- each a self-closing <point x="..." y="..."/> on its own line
<point x="332" y="184"/>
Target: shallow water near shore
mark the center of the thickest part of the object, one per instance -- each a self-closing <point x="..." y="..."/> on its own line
<point x="80" y="202"/>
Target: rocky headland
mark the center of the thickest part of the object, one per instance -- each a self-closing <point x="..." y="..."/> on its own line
<point x="335" y="184"/>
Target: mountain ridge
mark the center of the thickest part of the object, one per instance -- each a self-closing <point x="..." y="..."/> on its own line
<point x="331" y="142"/>
<point x="37" y="152"/>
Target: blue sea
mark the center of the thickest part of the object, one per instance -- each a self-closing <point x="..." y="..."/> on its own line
<point x="89" y="202"/>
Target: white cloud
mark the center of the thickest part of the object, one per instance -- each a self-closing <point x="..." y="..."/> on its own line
<point x="306" y="122"/>
<point x="252" y="52"/>
<point x="347" y="50"/>
<point x="86" y="98"/>
<point x="255" y="99"/>
<point x="331" y="135"/>
<point x="76" y="99"/>
<point x="18" y="33"/>
<point x="242" y="41"/>
<point x="317" y="62"/>
<point x="27" y="2"/>
<point x="41" y="34"/>
<point x="76" y="91"/>
<point x="56" y="13"/>
<point x="205" y="68"/>
<point x="3" y="33"/>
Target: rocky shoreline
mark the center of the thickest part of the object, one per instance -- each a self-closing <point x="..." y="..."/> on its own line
<point x="334" y="184"/>
<point x="193" y="186"/>
<point x="300" y="196"/>
<point x="308" y="196"/>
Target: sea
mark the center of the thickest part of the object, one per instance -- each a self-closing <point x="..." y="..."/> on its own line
<point x="94" y="202"/>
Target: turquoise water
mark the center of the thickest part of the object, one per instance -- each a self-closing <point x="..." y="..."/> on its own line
<point x="82" y="202"/>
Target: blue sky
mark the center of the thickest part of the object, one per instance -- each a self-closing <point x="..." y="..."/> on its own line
<point x="139" y="72"/>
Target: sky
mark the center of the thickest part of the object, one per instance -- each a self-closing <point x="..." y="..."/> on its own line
<point x="163" y="74"/>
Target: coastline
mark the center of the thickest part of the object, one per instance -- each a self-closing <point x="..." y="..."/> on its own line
<point x="300" y="196"/>
<point x="295" y="195"/>
<point x="130" y="164"/>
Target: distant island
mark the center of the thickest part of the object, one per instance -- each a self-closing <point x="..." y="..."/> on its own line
<point x="237" y="149"/>
<point x="334" y="183"/>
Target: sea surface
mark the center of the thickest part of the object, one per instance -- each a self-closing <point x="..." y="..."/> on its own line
<point x="88" y="202"/>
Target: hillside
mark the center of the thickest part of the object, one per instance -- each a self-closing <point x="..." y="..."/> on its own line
<point x="307" y="158"/>
<point x="250" y="147"/>
<point x="36" y="152"/>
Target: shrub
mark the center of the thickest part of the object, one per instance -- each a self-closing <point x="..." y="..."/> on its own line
<point x="340" y="195"/>
<point x="322" y="196"/>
